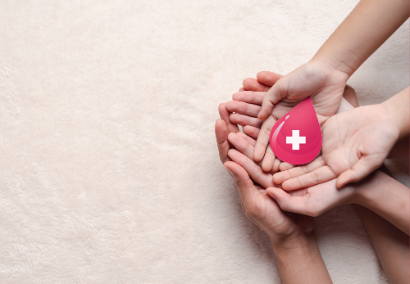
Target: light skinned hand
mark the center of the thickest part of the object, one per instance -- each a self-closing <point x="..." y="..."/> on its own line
<point x="311" y="201"/>
<point x="246" y="105"/>
<point x="323" y="83"/>
<point x="355" y="143"/>
<point x="258" y="206"/>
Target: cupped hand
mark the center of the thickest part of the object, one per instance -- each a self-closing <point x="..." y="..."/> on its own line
<point x="246" y="105"/>
<point x="355" y="143"/>
<point x="258" y="206"/>
<point x="324" y="84"/>
<point x="311" y="201"/>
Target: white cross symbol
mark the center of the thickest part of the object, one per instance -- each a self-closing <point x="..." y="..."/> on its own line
<point x="295" y="140"/>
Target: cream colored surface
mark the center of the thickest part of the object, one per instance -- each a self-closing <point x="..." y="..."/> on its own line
<point x="109" y="171"/>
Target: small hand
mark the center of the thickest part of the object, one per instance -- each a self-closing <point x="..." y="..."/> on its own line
<point x="245" y="107"/>
<point x="324" y="84"/>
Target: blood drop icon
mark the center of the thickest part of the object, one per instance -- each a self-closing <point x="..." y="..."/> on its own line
<point x="296" y="137"/>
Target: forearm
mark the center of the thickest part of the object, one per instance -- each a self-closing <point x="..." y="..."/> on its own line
<point x="366" y="28"/>
<point x="299" y="261"/>
<point x="398" y="107"/>
<point x="391" y="245"/>
<point x="386" y="197"/>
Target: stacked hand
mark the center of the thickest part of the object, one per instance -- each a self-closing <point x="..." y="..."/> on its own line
<point x="256" y="203"/>
<point x="355" y="143"/>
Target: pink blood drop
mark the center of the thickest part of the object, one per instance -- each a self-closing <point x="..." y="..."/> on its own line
<point x="296" y="137"/>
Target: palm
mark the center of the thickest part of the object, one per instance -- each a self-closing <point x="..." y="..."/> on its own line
<point x="312" y="201"/>
<point x="321" y="83"/>
<point x="355" y="143"/>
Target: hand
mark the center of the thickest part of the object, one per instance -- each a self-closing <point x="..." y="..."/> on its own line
<point x="246" y="105"/>
<point x="290" y="234"/>
<point x="311" y="201"/>
<point x="324" y="84"/>
<point x="355" y="143"/>
<point x="257" y="205"/>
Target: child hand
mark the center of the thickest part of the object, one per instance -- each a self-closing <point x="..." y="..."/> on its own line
<point x="324" y="84"/>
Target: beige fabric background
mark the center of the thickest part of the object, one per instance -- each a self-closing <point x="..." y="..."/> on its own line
<point x="109" y="171"/>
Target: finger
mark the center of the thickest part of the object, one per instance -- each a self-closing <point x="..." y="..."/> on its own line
<point x="241" y="90"/>
<point x="252" y="84"/>
<point x="242" y="181"/>
<point x="271" y="98"/>
<point x="251" y="131"/>
<point x="263" y="138"/>
<point x="249" y="97"/>
<point x="255" y="172"/>
<point x="221" y="133"/>
<point x="276" y="165"/>
<point x="285" y="166"/>
<point x="295" y="204"/>
<point x="297" y="171"/>
<point x="268" y="160"/>
<point x="317" y="176"/>
<point x="243" y="108"/>
<point x="364" y="167"/>
<point x="247" y="138"/>
<point x="268" y="78"/>
<point x="245" y="120"/>
<point x="241" y="144"/>
<point x="224" y="113"/>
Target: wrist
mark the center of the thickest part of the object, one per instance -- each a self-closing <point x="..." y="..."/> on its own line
<point x="343" y="63"/>
<point x="366" y="191"/>
<point x="331" y="70"/>
<point x="301" y="243"/>
<point x="302" y="251"/>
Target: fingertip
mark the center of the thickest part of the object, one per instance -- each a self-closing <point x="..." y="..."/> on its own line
<point x="231" y="136"/>
<point x="257" y="155"/>
<point x="342" y="180"/>
<point x="221" y="107"/>
<point x="268" y="78"/>
<point x="288" y="185"/>
<point x="280" y="196"/>
<point x="276" y="178"/>
<point x="266" y="165"/>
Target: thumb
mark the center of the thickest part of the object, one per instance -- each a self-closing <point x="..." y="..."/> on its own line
<point x="242" y="180"/>
<point x="360" y="170"/>
<point x="271" y="98"/>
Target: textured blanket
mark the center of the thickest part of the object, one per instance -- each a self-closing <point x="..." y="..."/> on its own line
<point x="109" y="171"/>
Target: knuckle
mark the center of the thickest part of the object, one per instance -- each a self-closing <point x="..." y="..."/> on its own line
<point x="314" y="176"/>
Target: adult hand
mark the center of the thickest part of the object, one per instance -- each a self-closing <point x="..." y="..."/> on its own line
<point x="257" y="205"/>
<point x="324" y="84"/>
<point x="290" y="234"/>
<point x="311" y="201"/>
<point x="355" y="143"/>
